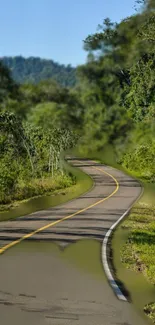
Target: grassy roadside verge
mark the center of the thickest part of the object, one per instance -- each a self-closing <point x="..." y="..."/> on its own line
<point x="133" y="243"/>
<point x="138" y="251"/>
<point x="82" y="184"/>
<point x="37" y="187"/>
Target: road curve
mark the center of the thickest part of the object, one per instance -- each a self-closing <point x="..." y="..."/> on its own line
<point x="65" y="295"/>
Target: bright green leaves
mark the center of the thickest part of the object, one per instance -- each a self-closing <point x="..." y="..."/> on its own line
<point x="141" y="95"/>
<point x="29" y="152"/>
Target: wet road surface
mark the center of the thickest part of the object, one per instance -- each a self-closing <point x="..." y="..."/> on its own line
<point x="41" y="288"/>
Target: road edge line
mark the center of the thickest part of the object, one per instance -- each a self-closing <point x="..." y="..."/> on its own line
<point x="105" y="263"/>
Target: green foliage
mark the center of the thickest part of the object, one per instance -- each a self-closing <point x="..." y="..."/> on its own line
<point x="118" y="91"/>
<point x="150" y="311"/>
<point x="36" y="122"/>
<point x="34" y="70"/>
<point x="50" y="114"/>
<point x="8" y="87"/>
<point x="44" y="91"/>
<point x="8" y="178"/>
<point x="104" y="126"/>
<point x="139" y="251"/>
<point x="45" y="115"/>
<point x="141" y="96"/>
<point x="30" y="153"/>
<point x="139" y="156"/>
<point x="111" y="105"/>
<point x="142" y="160"/>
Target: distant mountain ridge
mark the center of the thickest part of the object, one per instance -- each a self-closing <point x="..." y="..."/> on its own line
<point x="35" y="69"/>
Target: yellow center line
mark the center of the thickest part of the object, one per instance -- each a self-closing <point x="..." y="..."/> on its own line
<point x="15" y="242"/>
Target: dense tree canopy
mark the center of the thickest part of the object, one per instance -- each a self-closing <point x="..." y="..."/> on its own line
<point x="118" y="88"/>
<point x="7" y="86"/>
<point x="113" y="104"/>
<point x="35" y="128"/>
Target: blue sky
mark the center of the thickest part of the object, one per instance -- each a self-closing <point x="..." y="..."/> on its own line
<point x="55" y="29"/>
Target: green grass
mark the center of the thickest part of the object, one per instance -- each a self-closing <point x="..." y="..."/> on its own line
<point x="138" y="252"/>
<point x="59" y="195"/>
<point x="134" y="241"/>
<point x="37" y="187"/>
<point x="150" y="311"/>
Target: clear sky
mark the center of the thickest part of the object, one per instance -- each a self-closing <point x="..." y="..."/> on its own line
<point x="55" y="29"/>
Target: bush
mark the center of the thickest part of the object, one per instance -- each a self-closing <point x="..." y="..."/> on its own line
<point x="141" y="160"/>
<point x="8" y="182"/>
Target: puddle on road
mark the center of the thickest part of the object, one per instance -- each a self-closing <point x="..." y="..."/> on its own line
<point x="35" y="204"/>
<point x="84" y="254"/>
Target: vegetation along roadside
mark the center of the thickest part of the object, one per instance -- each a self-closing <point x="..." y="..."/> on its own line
<point x="138" y="252"/>
<point x="110" y="104"/>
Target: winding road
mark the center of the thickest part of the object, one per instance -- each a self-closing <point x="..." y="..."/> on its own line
<point x="40" y="288"/>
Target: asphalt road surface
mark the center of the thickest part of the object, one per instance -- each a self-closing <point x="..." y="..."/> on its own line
<point x="41" y="288"/>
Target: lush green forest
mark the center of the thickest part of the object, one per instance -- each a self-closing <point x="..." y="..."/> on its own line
<point x="33" y="135"/>
<point x="34" y="70"/>
<point x="112" y="106"/>
<point x="113" y="103"/>
<point x="118" y="91"/>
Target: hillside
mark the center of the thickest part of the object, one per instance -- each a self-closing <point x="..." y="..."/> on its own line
<point x="33" y="70"/>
